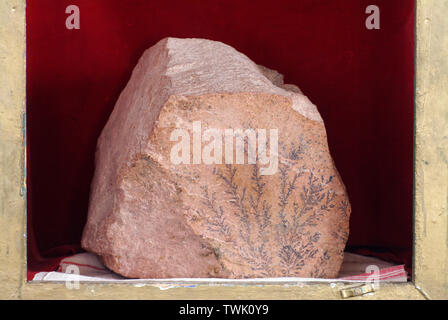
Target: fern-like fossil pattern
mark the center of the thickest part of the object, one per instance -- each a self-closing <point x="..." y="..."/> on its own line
<point x="265" y="230"/>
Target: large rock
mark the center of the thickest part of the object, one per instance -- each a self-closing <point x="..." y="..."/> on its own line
<point x="159" y="209"/>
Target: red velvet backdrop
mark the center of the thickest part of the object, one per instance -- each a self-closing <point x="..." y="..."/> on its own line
<point x="361" y="80"/>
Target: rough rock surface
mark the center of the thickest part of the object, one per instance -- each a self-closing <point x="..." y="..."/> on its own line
<point x="151" y="218"/>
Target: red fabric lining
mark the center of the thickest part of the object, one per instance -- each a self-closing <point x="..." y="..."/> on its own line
<point x="361" y="80"/>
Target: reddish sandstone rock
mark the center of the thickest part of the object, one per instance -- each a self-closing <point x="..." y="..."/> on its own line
<point x="153" y="217"/>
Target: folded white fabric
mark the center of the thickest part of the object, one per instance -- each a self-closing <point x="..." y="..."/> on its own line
<point x="87" y="267"/>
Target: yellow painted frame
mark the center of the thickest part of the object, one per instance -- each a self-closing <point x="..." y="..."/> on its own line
<point x="430" y="278"/>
